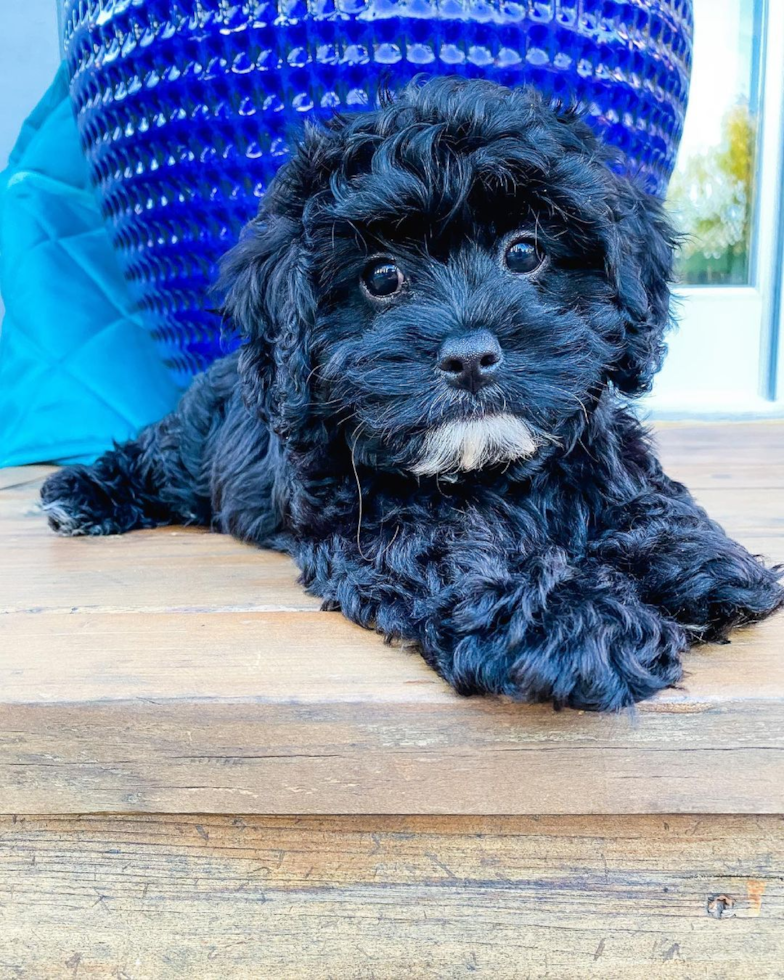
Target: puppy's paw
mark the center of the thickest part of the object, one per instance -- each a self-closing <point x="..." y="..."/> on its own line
<point x="600" y="653"/>
<point x="746" y="596"/>
<point x="76" y="504"/>
<point x="607" y="668"/>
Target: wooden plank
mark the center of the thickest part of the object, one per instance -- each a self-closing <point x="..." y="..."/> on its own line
<point x="187" y="714"/>
<point x="707" y="436"/>
<point x="172" y="757"/>
<point x="745" y="511"/>
<point x="262" y="657"/>
<point x="396" y="897"/>
<point x="178" y="570"/>
<point x="742" y="455"/>
<point x="12" y="477"/>
<point x="269" y="657"/>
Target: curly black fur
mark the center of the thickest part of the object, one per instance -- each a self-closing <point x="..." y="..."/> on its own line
<point x="576" y="574"/>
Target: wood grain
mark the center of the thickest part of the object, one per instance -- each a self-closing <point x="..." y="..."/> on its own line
<point x="206" y="897"/>
<point x="13" y="477"/>
<point x="725" y="449"/>
<point x="176" y="670"/>
<point x="207" y="713"/>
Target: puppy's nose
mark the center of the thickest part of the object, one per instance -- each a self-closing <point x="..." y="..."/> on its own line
<point x="470" y="361"/>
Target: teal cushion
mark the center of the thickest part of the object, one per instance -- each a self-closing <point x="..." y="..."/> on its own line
<point x="77" y="369"/>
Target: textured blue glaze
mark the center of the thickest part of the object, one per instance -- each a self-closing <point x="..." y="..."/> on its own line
<point x="185" y="106"/>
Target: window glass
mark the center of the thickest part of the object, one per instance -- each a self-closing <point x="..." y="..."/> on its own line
<point x="711" y="195"/>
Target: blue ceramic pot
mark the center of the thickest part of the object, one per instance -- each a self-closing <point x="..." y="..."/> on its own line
<point x="184" y="106"/>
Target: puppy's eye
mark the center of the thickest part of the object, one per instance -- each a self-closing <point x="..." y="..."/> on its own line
<point x="523" y="257"/>
<point x="382" y="279"/>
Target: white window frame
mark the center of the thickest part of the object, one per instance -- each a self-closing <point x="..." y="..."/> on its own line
<point x="726" y="357"/>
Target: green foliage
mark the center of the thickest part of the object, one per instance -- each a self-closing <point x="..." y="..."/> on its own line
<point x="710" y="198"/>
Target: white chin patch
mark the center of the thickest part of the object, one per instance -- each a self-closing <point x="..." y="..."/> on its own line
<point x="471" y="444"/>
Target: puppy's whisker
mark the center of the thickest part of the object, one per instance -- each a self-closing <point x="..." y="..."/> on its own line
<point x="314" y="373"/>
<point x="392" y="541"/>
<point x="359" y="496"/>
<point x="348" y="418"/>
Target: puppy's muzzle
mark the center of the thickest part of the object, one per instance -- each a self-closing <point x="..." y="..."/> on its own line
<point x="470" y="361"/>
<point x="471" y="444"/>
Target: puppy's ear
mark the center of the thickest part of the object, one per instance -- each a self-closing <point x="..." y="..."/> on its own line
<point x="640" y="260"/>
<point x="267" y="296"/>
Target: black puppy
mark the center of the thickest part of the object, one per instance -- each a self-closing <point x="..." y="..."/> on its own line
<point x="446" y="305"/>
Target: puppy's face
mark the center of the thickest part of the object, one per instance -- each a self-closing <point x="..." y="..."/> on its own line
<point x="446" y="346"/>
<point x="450" y="282"/>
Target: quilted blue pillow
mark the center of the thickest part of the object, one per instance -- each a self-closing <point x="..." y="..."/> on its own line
<point x="77" y="369"/>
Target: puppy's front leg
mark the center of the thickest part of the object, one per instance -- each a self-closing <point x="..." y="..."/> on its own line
<point x="546" y="628"/>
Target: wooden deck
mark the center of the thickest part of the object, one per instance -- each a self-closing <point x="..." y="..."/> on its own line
<point x="163" y="695"/>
